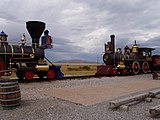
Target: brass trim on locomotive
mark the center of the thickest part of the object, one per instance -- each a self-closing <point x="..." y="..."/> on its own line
<point x="12" y="50"/>
<point x="33" y="52"/>
<point x="42" y="67"/>
<point x="22" y="51"/>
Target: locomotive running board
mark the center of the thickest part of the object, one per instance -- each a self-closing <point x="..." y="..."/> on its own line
<point x="5" y="71"/>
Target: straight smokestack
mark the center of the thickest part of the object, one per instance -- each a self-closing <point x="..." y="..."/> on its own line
<point x="112" y="43"/>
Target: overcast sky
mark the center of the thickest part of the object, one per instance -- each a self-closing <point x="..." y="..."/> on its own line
<point x="81" y="27"/>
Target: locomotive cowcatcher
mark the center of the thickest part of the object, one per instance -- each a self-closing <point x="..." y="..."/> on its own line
<point x="28" y="60"/>
<point x="133" y="61"/>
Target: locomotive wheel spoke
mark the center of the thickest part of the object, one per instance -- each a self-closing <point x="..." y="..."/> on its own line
<point x="51" y="74"/>
<point x="145" y="67"/>
<point x="29" y="75"/>
<point x="135" y="67"/>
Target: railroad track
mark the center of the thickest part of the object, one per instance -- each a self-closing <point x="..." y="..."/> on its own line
<point x="80" y="77"/>
<point x="36" y="79"/>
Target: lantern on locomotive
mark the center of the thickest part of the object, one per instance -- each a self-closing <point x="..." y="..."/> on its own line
<point x="28" y="60"/>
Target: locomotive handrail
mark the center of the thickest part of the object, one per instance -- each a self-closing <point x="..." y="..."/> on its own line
<point x="5" y="71"/>
<point x="19" y="43"/>
<point x="3" y="41"/>
<point x="49" y="61"/>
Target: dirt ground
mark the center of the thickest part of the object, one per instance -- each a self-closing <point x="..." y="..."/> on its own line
<point x="92" y="94"/>
<point x="81" y="99"/>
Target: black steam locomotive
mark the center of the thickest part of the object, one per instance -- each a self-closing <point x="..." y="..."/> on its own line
<point x="28" y="60"/>
<point x="135" y="60"/>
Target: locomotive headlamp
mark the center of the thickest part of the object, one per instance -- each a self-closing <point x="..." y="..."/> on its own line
<point x="31" y="55"/>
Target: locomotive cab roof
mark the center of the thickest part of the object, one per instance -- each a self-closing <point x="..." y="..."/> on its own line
<point x="3" y="34"/>
<point x="146" y="49"/>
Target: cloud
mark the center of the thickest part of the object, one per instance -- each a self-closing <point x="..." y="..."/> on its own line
<point x="81" y="27"/>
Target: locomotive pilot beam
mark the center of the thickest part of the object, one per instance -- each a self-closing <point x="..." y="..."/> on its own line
<point x="133" y="61"/>
<point x="28" y="60"/>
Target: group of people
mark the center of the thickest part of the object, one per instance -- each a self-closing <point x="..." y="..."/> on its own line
<point x="126" y="52"/>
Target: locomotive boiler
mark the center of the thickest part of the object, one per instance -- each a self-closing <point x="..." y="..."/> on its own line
<point x="132" y="60"/>
<point x="28" y="60"/>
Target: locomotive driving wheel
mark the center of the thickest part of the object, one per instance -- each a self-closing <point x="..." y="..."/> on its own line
<point x="145" y="67"/>
<point x="135" y="67"/>
<point x="114" y="71"/>
<point x="51" y="74"/>
<point x="29" y="75"/>
<point x="1" y="67"/>
<point x="124" y="72"/>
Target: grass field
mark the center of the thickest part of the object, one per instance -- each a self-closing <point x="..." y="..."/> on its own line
<point x="70" y="69"/>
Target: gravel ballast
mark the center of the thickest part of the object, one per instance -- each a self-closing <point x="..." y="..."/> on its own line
<point x="36" y="106"/>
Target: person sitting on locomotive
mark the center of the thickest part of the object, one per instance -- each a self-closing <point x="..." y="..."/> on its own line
<point x="118" y="56"/>
<point x="107" y="46"/>
<point x="46" y="40"/>
<point x="126" y="52"/>
<point x="118" y="51"/>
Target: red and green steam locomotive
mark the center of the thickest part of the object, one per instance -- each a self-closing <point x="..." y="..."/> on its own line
<point x="132" y="61"/>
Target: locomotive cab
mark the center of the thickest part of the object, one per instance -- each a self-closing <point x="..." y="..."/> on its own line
<point x="146" y="53"/>
<point x="3" y="38"/>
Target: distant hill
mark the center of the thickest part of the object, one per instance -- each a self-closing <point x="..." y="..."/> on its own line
<point x="75" y="61"/>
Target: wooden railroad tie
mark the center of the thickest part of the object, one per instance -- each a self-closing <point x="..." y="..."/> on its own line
<point x="153" y="111"/>
<point x="153" y="93"/>
<point x="143" y="96"/>
<point x="116" y="103"/>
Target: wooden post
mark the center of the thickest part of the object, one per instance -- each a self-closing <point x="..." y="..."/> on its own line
<point x="154" y="111"/>
<point x="122" y="101"/>
<point x="155" y="75"/>
<point x="153" y="93"/>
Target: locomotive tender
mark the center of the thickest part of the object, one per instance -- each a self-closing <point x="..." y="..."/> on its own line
<point x="28" y="60"/>
<point x="135" y="60"/>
